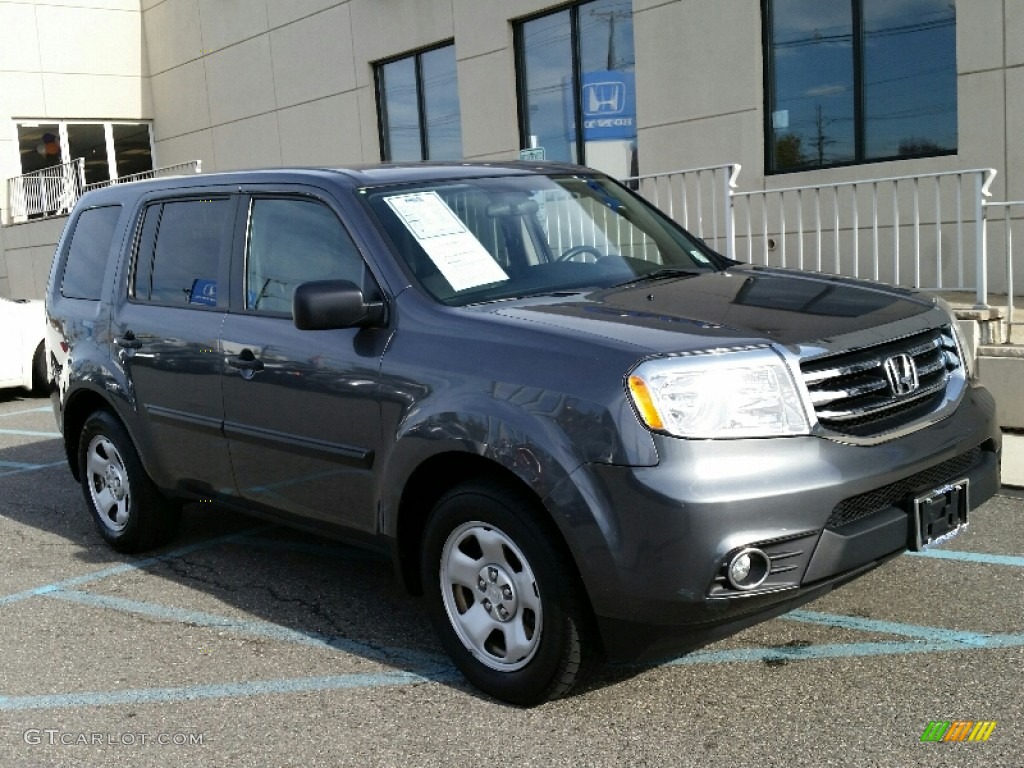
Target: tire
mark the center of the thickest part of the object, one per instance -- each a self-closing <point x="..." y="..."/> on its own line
<point x="130" y="513"/>
<point x="506" y="603"/>
<point x="40" y="385"/>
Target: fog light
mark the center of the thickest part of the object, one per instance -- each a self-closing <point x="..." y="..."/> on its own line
<point x="748" y="569"/>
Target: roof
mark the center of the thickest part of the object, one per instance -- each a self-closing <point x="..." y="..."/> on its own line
<point x="354" y="177"/>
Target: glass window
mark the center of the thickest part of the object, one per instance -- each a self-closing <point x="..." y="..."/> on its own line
<point x="418" y="103"/>
<point x="43" y="145"/>
<point x="488" y="239"/>
<point x="577" y="85"/>
<point x="179" y="251"/>
<point x="132" y="149"/>
<point x="89" y="141"/>
<point x="854" y="81"/>
<point x="293" y="242"/>
<point x="88" y="253"/>
<point x="39" y="144"/>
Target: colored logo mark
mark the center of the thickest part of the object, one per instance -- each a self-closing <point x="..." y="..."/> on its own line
<point x="958" y="730"/>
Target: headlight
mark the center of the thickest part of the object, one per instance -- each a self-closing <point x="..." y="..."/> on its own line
<point x="745" y="393"/>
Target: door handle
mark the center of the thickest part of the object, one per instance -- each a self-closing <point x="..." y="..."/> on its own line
<point x="128" y="341"/>
<point x="246" y="361"/>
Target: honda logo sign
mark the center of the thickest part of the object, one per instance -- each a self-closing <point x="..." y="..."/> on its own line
<point x="902" y="374"/>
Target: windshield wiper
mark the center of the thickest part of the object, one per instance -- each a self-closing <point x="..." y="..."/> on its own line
<point x="663" y="274"/>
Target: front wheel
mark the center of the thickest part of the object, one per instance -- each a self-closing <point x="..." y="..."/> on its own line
<point x="506" y="602"/>
<point x="130" y="513"/>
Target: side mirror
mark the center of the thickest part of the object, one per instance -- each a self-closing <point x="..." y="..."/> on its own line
<point x="327" y="304"/>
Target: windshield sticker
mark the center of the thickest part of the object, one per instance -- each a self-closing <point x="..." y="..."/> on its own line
<point x="456" y="252"/>
<point x="699" y="257"/>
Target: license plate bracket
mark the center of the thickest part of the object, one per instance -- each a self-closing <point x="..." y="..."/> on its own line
<point x="940" y="514"/>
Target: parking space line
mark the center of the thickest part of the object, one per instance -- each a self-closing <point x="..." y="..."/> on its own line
<point x="40" y="409"/>
<point x="115" y="570"/>
<point x="254" y="628"/>
<point x="17" y="468"/>
<point x="971" y="557"/>
<point x="816" y="652"/>
<point x="930" y="634"/>
<point x="220" y="690"/>
<point x="29" y="433"/>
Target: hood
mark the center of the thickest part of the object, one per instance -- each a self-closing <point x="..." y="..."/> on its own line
<point x="741" y="304"/>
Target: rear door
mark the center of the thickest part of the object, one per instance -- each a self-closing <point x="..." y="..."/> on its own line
<point x="166" y="324"/>
<point x="301" y="408"/>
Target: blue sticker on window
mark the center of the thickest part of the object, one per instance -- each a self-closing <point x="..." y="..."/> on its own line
<point x="203" y="292"/>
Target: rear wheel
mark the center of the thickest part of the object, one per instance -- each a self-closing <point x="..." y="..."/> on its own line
<point x="129" y="511"/>
<point x="506" y="603"/>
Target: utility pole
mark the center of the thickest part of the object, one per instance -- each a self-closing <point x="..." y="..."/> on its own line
<point x="820" y="140"/>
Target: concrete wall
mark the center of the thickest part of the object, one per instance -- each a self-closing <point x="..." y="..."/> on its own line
<point x="62" y="59"/>
<point x="26" y="251"/>
<point x="69" y="59"/>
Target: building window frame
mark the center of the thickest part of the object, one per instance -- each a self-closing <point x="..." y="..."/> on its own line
<point x="64" y="127"/>
<point x="859" y="86"/>
<point x="579" y="41"/>
<point x="519" y="47"/>
<point x="422" y="117"/>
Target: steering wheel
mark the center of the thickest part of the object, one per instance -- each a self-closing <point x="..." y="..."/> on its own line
<point x="581" y="250"/>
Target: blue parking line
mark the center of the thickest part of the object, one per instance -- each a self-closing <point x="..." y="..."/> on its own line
<point x="115" y="570"/>
<point x="40" y="409"/>
<point x="220" y="691"/>
<point x="971" y="557"/>
<point x="17" y="468"/>
<point x="856" y="623"/>
<point x="29" y="433"/>
<point x="253" y="628"/>
<point x="815" y="652"/>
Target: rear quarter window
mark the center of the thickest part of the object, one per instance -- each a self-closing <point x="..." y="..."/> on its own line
<point x="88" y="252"/>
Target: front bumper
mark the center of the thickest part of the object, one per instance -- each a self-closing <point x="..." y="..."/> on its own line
<point x="651" y="542"/>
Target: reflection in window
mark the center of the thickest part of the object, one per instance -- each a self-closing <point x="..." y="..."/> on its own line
<point x="855" y="81"/>
<point x="418" y="104"/>
<point x="179" y="252"/>
<point x="577" y="87"/>
<point x="86" y="263"/>
<point x="293" y="242"/>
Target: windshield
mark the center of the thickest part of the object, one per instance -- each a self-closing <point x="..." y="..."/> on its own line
<point x="478" y="240"/>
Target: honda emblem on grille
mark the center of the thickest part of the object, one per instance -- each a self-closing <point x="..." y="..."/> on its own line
<point x="902" y="374"/>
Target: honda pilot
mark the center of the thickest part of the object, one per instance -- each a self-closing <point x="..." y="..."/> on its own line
<point x="577" y="430"/>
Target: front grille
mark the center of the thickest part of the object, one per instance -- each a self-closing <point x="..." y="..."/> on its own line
<point x="853" y="393"/>
<point x="866" y="504"/>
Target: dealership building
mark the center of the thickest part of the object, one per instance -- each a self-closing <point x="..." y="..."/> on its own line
<point x="874" y="138"/>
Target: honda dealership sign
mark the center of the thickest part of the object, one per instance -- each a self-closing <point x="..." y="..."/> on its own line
<point x="609" y="105"/>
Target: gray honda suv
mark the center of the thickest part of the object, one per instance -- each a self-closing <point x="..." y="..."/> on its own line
<point x="576" y="429"/>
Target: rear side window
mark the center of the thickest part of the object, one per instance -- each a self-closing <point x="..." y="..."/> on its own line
<point x="179" y="251"/>
<point x="88" y="252"/>
<point x="293" y="242"/>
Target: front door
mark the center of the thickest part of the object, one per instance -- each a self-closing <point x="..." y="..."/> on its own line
<point x="301" y="408"/>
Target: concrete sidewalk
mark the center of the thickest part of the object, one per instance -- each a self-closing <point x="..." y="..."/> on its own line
<point x="1013" y="459"/>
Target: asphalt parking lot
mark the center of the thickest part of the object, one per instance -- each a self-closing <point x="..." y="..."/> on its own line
<point x="243" y="644"/>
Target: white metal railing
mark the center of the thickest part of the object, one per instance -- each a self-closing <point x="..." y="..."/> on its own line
<point x="698" y="198"/>
<point x="54" y="191"/>
<point x="48" y="192"/>
<point x="191" y="166"/>
<point x="927" y="230"/>
<point x="1010" y="223"/>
